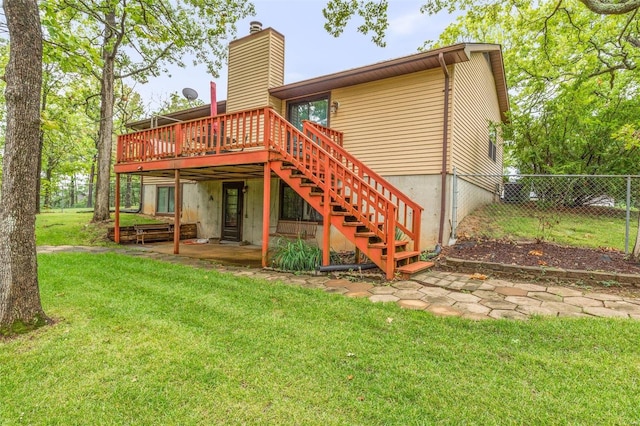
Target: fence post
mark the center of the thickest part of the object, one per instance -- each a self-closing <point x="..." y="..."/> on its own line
<point x="454" y="203"/>
<point x="626" y="233"/>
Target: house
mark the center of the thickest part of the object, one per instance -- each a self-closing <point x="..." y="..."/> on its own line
<point x="361" y="158"/>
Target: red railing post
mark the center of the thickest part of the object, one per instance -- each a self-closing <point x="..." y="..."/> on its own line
<point x="391" y="240"/>
<point x="326" y="215"/>
<point x="177" y="134"/>
<point x="116" y="229"/>
<point x="267" y="127"/>
<point x="119" y="150"/>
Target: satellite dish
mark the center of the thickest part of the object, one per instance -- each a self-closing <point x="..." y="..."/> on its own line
<point x="190" y="94"/>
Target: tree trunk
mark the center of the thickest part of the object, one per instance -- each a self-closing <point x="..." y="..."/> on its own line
<point x="128" y="188"/>
<point x="47" y="191"/>
<point x="105" y="132"/>
<point x="92" y="174"/>
<point x="72" y="191"/>
<point x="635" y="254"/>
<point x="43" y="107"/>
<point x="39" y="171"/>
<point x="20" y="307"/>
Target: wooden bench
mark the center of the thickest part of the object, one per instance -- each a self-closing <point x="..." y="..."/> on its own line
<point x="153" y="232"/>
<point x="296" y="229"/>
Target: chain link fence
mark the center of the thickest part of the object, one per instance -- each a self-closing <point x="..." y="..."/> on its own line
<point x="579" y="210"/>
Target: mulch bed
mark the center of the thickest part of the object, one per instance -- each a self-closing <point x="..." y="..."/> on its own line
<point x="542" y="254"/>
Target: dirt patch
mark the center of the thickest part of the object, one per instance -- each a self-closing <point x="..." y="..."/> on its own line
<point x="542" y="255"/>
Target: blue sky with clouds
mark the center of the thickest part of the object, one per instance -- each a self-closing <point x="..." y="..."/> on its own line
<point x="309" y="50"/>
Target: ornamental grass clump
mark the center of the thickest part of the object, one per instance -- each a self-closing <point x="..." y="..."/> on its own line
<point x="298" y="255"/>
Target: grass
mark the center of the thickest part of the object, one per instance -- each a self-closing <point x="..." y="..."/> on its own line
<point x="522" y="222"/>
<point x="144" y="342"/>
<point x="75" y="228"/>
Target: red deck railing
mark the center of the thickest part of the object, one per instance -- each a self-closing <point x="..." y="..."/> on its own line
<point x="409" y="212"/>
<point x="206" y="136"/>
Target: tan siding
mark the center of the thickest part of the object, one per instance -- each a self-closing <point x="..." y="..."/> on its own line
<point x="256" y="63"/>
<point x="475" y="104"/>
<point x="153" y="180"/>
<point x="394" y="125"/>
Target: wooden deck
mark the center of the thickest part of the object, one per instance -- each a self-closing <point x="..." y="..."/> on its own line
<point x="365" y="207"/>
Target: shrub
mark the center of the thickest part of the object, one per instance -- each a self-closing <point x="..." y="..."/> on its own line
<point x="298" y="255"/>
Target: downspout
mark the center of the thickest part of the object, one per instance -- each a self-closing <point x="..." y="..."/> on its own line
<point x="445" y="134"/>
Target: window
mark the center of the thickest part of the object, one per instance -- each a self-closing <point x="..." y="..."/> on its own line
<point x="293" y="207"/>
<point x="314" y="109"/>
<point x="165" y="200"/>
<point x="493" y="138"/>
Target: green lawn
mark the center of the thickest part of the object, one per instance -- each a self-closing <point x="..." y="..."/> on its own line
<point x="143" y="342"/>
<point x="75" y="228"/>
<point x="522" y="222"/>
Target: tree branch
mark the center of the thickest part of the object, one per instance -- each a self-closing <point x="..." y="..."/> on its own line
<point x="608" y="7"/>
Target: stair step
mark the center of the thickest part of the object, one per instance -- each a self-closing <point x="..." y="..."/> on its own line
<point x="401" y="255"/>
<point x="316" y="194"/>
<point x="309" y="184"/>
<point x="365" y="234"/>
<point x="398" y="243"/>
<point x="354" y="224"/>
<point x="413" y="268"/>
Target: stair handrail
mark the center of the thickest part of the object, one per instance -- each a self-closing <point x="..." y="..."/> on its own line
<point x="309" y="158"/>
<point x="319" y="134"/>
<point x="335" y="135"/>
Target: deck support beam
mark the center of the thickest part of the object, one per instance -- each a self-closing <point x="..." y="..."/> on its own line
<point x="176" y="215"/>
<point x="266" y="214"/>
<point x="116" y="234"/>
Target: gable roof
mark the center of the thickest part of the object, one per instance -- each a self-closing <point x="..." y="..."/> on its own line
<point x="407" y="64"/>
<point x="380" y="70"/>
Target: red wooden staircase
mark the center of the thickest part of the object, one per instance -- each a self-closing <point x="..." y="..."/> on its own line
<point x="380" y="220"/>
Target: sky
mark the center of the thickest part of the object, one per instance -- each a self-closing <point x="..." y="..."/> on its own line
<point x="309" y="50"/>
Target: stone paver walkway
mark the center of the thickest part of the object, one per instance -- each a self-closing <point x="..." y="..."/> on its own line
<point x="441" y="293"/>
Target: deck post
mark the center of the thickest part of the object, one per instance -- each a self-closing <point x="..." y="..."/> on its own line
<point x="266" y="213"/>
<point x="176" y="215"/>
<point x="116" y="234"/>
<point x="326" y="215"/>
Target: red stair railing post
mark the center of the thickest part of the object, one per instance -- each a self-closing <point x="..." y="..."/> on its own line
<point x="391" y="240"/>
<point x="326" y="215"/>
<point x="417" y="220"/>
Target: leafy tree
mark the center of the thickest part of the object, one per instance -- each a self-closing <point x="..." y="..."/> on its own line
<point x="20" y="306"/>
<point x="176" y="102"/>
<point x="116" y="39"/>
<point x="373" y="13"/>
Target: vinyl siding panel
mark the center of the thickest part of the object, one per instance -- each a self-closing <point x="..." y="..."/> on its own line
<point x="256" y="63"/>
<point x="394" y="125"/>
<point x="475" y="105"/>
<point x="153" y="180"/>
